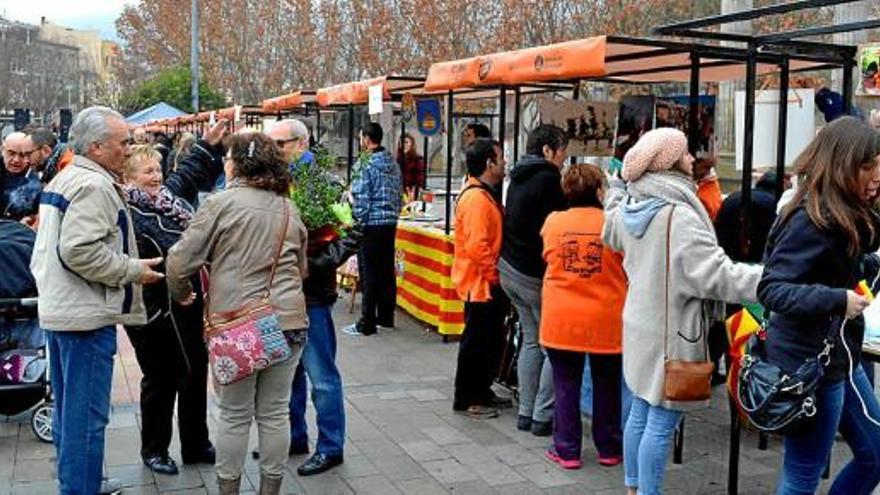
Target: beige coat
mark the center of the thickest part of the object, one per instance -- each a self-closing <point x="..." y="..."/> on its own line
<point x="235" y="233"/>
<point x="85" y="256"/>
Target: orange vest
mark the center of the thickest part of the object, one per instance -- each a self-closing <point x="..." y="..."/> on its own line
<point x="709" y="192"/>
<point x="584" y="285"/>
<point x="478" y="222"/>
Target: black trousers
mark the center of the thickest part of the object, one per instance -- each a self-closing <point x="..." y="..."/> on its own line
<point x="173" y="369"/>
<point x="376" y="261"/>
<point x="479" y="351"/>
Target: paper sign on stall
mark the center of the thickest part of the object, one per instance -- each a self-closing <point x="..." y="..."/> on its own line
<point x="375" y="99"/>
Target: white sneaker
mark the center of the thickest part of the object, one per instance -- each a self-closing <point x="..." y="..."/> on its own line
<point x="352" y="330"/>
<point x="380" y="328"/>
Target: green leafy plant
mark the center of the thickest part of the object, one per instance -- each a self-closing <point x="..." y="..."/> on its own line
<point x="318" y="195"/>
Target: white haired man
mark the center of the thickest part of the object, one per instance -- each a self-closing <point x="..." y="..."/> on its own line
<point x="318" y="362"/>
<point x="88" y="276"/>
<point x="292" y="136"/>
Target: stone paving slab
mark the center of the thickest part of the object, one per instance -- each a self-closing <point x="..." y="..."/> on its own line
<point x="402" y="437"/>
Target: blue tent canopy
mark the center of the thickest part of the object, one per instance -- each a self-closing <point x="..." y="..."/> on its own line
<point x="160" y="110"/>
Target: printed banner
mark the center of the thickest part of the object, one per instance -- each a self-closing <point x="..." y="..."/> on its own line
<point x="869" y="67"/>
<point x="634" y="118"/>
<point x="589" y="125"/>
<point x="672" y="111"/>
<point x="429" y="116"/>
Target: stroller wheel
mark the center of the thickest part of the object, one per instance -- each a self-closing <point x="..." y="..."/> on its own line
<point x="41" y="422"/>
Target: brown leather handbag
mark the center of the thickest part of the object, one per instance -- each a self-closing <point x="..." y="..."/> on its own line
<point x="685" y="380"/>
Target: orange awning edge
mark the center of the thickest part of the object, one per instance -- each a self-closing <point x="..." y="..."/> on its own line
<point x="561" y="61"/>
<point x="283" y="102"/>
<point x="353" y="93"/>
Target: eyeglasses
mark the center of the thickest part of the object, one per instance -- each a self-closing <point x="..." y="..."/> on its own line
<point x="19" y="154"/>
<point x="283" y="142"/>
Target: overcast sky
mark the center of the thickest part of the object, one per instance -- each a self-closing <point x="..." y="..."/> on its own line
<point x="78" y="14"/>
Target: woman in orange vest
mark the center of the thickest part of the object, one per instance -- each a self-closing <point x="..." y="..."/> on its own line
<point x="584" y="290"/>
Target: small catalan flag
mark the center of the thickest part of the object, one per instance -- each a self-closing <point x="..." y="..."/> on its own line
<point x="863" y="290"/>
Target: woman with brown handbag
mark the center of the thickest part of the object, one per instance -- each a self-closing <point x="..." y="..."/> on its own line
<point x="253" y="240"/>
<point x="676" y="272"/>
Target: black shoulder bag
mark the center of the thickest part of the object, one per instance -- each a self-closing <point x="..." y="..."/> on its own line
<point x="776" y="401"/>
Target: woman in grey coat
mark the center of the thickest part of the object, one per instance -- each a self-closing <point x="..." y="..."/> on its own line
<point x="656" y="213"/>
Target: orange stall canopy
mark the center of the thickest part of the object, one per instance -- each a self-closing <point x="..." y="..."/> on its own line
<point x="604" y="58"/>
<point x="358" y="93"/>
<point x="561" y="61"/>
<point x="353" y="93"/>
<point x="283" y="102"/>
<point x="226" y="113"/>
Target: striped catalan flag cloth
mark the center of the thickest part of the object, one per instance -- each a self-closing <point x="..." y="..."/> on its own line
<point x="740" y="327"/>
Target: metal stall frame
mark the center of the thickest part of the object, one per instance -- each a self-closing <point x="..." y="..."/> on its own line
<point x="786" y="47"/>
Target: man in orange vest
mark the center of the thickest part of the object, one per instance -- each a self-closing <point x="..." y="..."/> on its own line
<point x="478" y="229"/>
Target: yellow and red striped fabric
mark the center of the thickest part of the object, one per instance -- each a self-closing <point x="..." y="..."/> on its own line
<point x="424" y="282"/>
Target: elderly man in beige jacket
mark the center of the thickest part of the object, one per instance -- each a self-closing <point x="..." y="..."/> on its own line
<point x="88" y="276"/>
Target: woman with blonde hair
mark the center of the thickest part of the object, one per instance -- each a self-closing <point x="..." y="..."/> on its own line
<point x="169" y="348"/>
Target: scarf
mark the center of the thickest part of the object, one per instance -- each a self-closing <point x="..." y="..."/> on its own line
<point x="164" y="203"/>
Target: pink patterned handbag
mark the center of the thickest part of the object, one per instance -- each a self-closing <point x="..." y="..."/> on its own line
<point x="249" y="339"/>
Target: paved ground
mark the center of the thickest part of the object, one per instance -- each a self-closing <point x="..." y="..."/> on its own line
<point x="403" y="438"/>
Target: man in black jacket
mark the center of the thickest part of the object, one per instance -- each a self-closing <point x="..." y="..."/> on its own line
<point x="742" y="247"/>
<point x="534" y="192"/>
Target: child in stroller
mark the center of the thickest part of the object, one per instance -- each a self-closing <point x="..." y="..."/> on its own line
<point x="24" y="378"/>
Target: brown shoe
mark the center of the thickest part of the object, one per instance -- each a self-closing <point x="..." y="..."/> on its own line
<point x="270" y="485"/>
<point x="228" y="487"/>
<point x="482" y="412"/>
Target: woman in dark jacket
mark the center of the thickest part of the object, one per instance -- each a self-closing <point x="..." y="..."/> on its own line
<point x="412" y="165"/>
<point x="811" y="267"/>
<point x="169" y="348"/>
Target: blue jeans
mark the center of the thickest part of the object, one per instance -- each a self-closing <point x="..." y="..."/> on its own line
<point x="646" y="440"/>
<point x="806" y="455"/>
<point x="81" y="371"/>
<point x="319" y="364"/>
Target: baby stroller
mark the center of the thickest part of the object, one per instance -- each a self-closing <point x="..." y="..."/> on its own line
<point x="24" y="374"/>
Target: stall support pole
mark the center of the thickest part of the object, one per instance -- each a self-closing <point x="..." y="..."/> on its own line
<point x="350" y="141"/>
<point x="576" y="95"/>
<point x="450" y="142"/>
<point x="694" y="104"/>
<point x="425" y="159"/>
<point x="848" y="85"/>
<point x="517" y="113"/>
<point x="782" y="135"/>
<point x="748" y="149"/>
<point x="748" y="135"/>
<point x="502" y="117"/>
<point x="318" y="126"/>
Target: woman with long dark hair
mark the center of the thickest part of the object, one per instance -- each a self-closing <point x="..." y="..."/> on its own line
<point x="412" y="165"/>
<point x="812" y="264"/>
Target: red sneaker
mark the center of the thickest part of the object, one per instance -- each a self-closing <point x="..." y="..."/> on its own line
<point x="610" y="461"/>
<point x="566" y="464"/>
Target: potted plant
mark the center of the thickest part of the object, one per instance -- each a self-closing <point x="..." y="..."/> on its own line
<point x="317" y="194"/>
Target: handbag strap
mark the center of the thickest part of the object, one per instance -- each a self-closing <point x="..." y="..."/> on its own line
<point x="668" y="269"/>
<point x="666" y="292"/>
<point x="278" y="247"/>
